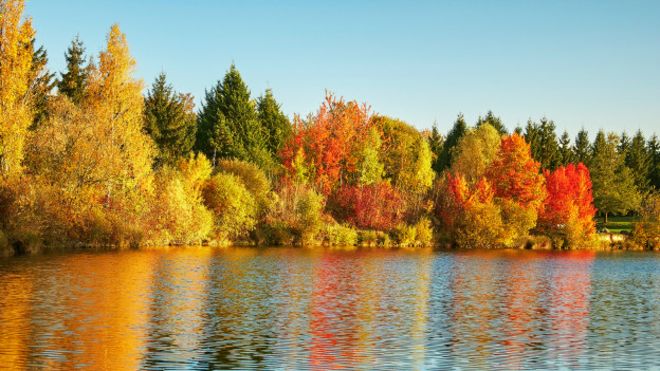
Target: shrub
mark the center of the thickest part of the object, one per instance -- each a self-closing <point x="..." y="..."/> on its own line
<point x="233" y="206"/>
<point x="339" y="235"/>
<point x="253" y="178"/>
<point x="646" y="232"/>
<point x="297" y="209"/>
<point x="424" y="232"/>
<point x="377" y="206"/>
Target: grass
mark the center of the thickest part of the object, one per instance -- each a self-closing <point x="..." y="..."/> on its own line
<point x="617" y="224"/>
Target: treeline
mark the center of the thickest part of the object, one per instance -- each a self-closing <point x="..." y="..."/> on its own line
<point x="87" y="159"/>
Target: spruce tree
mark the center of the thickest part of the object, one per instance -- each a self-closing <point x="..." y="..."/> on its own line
<point x="624" y="144"/>
<point x="565" y="150"/>
<point x="74" y="81"/>
<point x="494" y="121"/>
<point x="228" y="124"/>
<point x="613" y="183"/>
<point x="170" y="121"/>
<point x="274" y="121"/>
<point x="436" y="142"/>
<point x="542" y="140"/>
<point x="444" y="159"/>
<point x="653" y="150"/>
<point x="41" y="83"/>
<point x="581" y="148"/>
<point x="638" y="160"/>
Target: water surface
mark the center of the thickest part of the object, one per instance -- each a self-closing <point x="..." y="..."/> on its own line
<point x="301" y="309"/>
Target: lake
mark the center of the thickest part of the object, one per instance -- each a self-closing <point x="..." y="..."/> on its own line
<point x="299" y="309"/>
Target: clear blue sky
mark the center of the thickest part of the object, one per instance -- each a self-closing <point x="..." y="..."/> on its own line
<point x="581" y="63"/>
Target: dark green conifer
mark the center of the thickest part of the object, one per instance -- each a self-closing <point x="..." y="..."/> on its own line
<point x="444" y="158"/>
<point x="73" y="82"/>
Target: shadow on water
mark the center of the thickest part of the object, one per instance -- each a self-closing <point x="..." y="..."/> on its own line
<point x="283" y="308"/>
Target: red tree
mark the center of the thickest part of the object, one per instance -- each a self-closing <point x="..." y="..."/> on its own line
<point x="569" y="204"/>
<point x="378" y="206"/>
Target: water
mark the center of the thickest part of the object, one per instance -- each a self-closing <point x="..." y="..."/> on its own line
<point x="302" y="309"/>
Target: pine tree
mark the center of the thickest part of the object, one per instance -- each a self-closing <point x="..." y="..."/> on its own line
<point x="653" y="150"/>
<point x="624" y="144"/>
<point x="436" y="142"/>
<point x="613" y="183"/>
<point x="581" y="148"/>
<point x="444" y="159"/>
<point x="274" y="121"/>
<point x="42" y="83"/>
<point x="73" y="82"/>
<point x="170" y="121"/>
<point x="565" y="150"/>
<point x="494" y="121"/>
<point x="228" y="124"/>
<point x="638" y="160"/>
<point x="16" y="69"/>
<point x="543" y="142"/>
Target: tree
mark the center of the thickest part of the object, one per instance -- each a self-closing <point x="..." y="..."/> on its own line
<point x="275" y="123"/>
<point x="582" y="147"/>
<point x="16" y="68"/>
<point x="370" y="169"/>
<point x="568" y="210"/>
<point x="170" y="121"/>
<point x="436" y="142"/>
<point x="543" y="142"/>
<point x="493" y="121"/>
<point x="638" y="160"/>
<point x="41" y="83"/>
<point x="475" y="151"/>
<point x="74" y="81"/>
<point x="613" y="183"/>
<point x="376" y="206"/>
<point x="444" y="158"/>
<point x="653" y="149"/>
<point x="565" y="150"/>
<point x="228" y="124"/>
<point x="233" y="206"/>
<point x="624" y="144"/>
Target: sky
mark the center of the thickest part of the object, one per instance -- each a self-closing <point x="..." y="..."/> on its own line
<point x="592" y="64"/>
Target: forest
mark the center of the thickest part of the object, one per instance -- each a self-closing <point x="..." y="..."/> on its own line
<point x="89" y="156"/>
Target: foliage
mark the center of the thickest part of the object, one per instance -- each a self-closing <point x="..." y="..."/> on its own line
<point x="475" y="151"/>
<point x="73" y="82"/>
<point x="639" y="161"/>
<point x="378" y="206"/>
<point x="339" y="235"/>
<point x="581" y="147"/>
<point x="493" y="121"/>
<point x="568" y="211"/>
<point x="369" y="167"/>
<point x="565" y="151"/>
<point x="543" y="142"/>
<point x="254" y="179"/>
<point x="296" y="216"/>
<point x="613" y="183"/>
<point x="275" y="123"/>
<point x="646" y="232"/>
<point x="170" y="121"/>
<point x="444" y="158"/>
<point x="233" y="206"/>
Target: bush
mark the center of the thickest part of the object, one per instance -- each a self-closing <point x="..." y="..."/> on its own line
<point x="339" y="235"/>
<point x="233" y="206"/>
<point x="378" y="206"/>
<point x="646" y="232"/>
<point x="253" y="178"/>
<point x="424" y="232"/>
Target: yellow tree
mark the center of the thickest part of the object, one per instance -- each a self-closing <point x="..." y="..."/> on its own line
<point x="114" y="99"/>
<point x="15" y="68"/>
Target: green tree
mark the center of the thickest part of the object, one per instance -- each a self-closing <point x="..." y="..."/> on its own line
<point x="73" y="82"/>
<point x="542" y="140"/>
<point x="369" y="167"/>
<point x="274" y="121"/>
<point x="624" y="144"/>
<point x="639" y="161"/>
<point x="235" y="209"/>
<point x="493" y="121"/>
<point x="42" y="83"/>
<point x="436" y="142"/>
<point x="170" y="121"/>
<point x="444" y="158"/>
<point x="228" y="124"/>
<point x="582" y="147"/>
<point x="613" y="183"/>
<point x="565" y="151"/>
<point x="653" y="149"/>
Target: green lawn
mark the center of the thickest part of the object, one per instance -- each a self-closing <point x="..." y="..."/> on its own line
<point x="617" y="224"/>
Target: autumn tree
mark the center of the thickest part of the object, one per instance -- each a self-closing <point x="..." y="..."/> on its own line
<point x="475" y="151"/>
<point x="235" y="209"/>
<point x="375" y="206"/>
<point x="73" y="81"/>
<point x="613" y="183"/>
<point x="274" y="121"/>
<point x="170" y="121"/>
<point x="16" y="69"/>
<point x="568" y="211"/>
<point x="444" y="158"/>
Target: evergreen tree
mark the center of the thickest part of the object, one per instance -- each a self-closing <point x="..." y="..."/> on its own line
<point x="624" y="144"/>
<point x="613" y="183"/>
<point x="542" y="140"/>
<point x="653" y="149"/>
<point x="581" y="148"/>
<point x="565" y="150"/>
<point x="41" y="83"/>
<point x="228" y="124"/>
<point x="494" y="121"/>
<point x="436" y="142"/>
<point x="518" y="130"/>
<point x="274" y="121"/>
<point x="639" y="161"/>
<point x="170" y="121"/>
<point x="73" y="82"/>
<point x="444" y="159"/>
